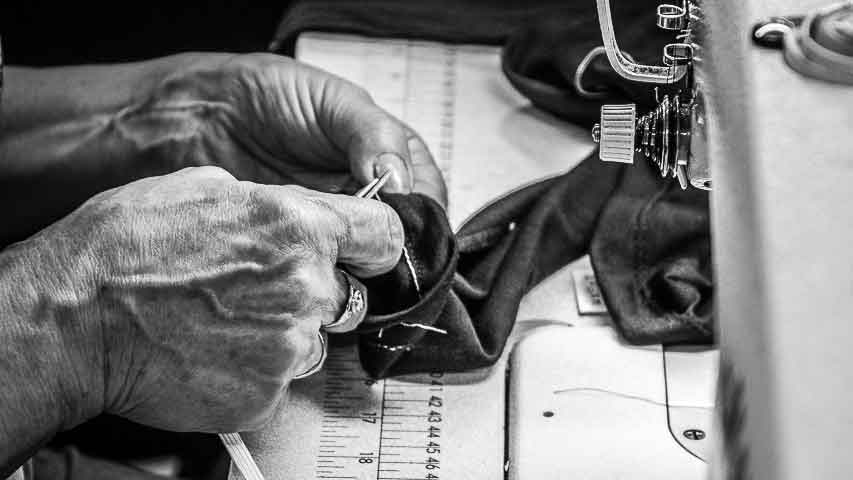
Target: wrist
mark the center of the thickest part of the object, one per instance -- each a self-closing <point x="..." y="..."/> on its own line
<point x="55" y="350"/>
<point x="176" y="118"/>
<point x="41" y="97"/>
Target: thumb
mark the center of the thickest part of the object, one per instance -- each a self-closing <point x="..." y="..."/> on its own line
<point x="374" y="141"/>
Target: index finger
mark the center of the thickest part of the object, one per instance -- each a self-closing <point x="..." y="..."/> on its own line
<point x="365" y="235"/>
<point x="371" y="240"/>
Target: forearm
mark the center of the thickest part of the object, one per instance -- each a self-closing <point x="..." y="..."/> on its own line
<point x="36" y="97"/>
<point x="47" y="172"/>
<point x="69" y="133"/>
<point x="45" y="377"/>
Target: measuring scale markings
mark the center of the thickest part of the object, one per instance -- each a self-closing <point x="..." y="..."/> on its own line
<point x="406" y="80"/>
<point x="391" y="429"/>
<point x="400" y="441"/>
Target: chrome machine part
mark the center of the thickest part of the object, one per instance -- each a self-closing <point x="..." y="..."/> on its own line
<point x="584" y="65"/>
<point x="698" y="167"/>
<point x="615" y="134"/>
<point x="671" y="136"/>
<point x="669" y="17"/>
<point x="662" y="136"/>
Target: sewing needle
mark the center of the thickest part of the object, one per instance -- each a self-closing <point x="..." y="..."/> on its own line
<point x="371" y="189"/>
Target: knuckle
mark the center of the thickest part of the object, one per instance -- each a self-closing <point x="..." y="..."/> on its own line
<point x="210" y="172"/>
<point x="264" y="60"/>
<point x="330" y="313"/>
<point x="304" y="281"/>
<point x="257" y="69"/>
<point x="300" y="345"/>
<point x="262" y="206"/>
<point x="273" y="207"/>
<point x="281" y="197"/>
<point x="324" y="214"/>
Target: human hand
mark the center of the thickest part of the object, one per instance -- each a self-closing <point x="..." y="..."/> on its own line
<point x="69" y="133"/>
<point x="209" y="292"/>
<point x="270" y="119"/>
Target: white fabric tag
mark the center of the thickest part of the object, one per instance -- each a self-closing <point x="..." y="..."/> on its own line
<point x="590" y="301"/>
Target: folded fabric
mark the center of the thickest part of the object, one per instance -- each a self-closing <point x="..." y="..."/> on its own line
<point x="652" y="257"/>
<point x="69" y="463"/>
<point x="651" y="249"/>
<point x="487" y="22"/>
<point x="471" y="283"/>
<point x="650" y="252"/>
<point x="541" y="58"/>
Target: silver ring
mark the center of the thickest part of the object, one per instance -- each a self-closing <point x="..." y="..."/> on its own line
<point x="317" y="366"/>
<point x="355" y="303"/>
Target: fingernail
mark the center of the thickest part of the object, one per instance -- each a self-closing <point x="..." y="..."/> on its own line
<point x="401" y="178"/>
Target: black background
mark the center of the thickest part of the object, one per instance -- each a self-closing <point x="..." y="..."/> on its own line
<point x="62" y="33"/>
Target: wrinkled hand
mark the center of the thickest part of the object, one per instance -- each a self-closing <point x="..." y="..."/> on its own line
<point x="209" y="292"/>
<point x="270" y="119"/>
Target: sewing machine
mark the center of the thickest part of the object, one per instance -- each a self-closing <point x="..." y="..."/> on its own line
<point x="770" y="132"/>
<point x="569" y="399"/>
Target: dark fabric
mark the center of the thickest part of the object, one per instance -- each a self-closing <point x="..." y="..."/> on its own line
<point x="486" y="22"/>
<point x="651" y="249"/>
<point x="507" y="248"/>
<point x="544" y="41"/>
<point x="540" y="59"/>
<point x="395" y="303"/>
<point x="69" y="464"/>
<point x="106" y="445"/>
<point x="504" y="250"/>
<point x="652" y="257"/>
<point x="649" y="240"/>
<point x="651" y="253"/>
<point x="40" y="33"/>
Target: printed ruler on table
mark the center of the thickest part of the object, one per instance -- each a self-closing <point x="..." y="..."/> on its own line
<point x="415" y="81"/>
<point x="388" y="429"/>
<point x="396" y="429"/>
<point x="340" y="424"/>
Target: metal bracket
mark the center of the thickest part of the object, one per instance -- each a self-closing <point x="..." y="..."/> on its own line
<point x="625" y="67"/>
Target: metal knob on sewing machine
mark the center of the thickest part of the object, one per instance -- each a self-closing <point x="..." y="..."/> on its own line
<point x="671" y="136"/>
<point x="662" y="136"/>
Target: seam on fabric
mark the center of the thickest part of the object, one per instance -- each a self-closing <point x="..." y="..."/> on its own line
<point x="424" y="327"/>
<point x="394" y="348"/>
<point x="413" y="271"/>
<point x="640" y="228"/>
